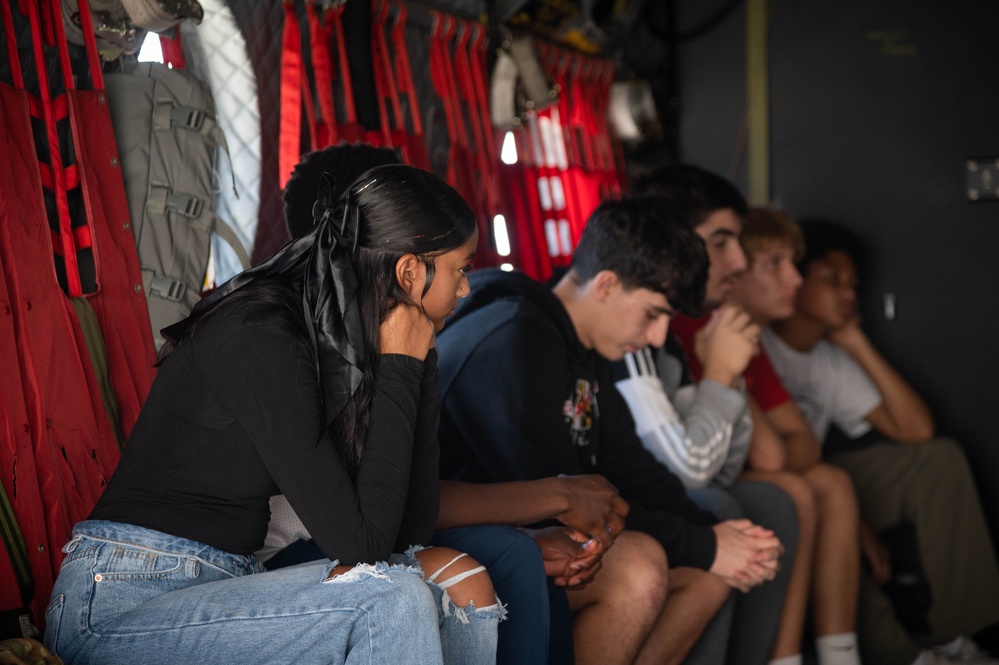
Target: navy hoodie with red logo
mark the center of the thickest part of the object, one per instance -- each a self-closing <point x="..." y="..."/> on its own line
<point x="522" y="399"/>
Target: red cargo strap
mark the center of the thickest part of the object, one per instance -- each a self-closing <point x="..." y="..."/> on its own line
<point x="289" y="142"/>
<point x="310" y="117"/>
<point x="65" y="243"/>
<point x="350" y="130"/>
<point x="384" y="83"/>
<point x="403" y="69"/>
<point x="414" y="149"/>
<point x="173" y="50"/>
<point x="13" y="58"/>
<point x="320" y="36"/>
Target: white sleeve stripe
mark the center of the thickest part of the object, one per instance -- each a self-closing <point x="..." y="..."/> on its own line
<point x="629" y="362"/>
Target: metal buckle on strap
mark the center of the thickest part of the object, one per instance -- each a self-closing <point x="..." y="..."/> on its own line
<point x="187" y="117"/>
<point x="168" y="288"/>
<point x="184" y="204"/>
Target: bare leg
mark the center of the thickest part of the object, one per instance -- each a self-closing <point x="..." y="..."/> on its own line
<point x="837" y="551"/>
<point x="694" y="597"/>
<point x="788" y="642"/>
<point x="476" y="588"/>
<point x="612" y="616"/>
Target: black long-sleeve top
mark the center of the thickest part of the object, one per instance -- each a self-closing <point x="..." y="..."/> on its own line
<point x="234" y="417"/>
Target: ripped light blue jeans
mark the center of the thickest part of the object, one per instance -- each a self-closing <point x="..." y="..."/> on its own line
<point x="126" y="594"/>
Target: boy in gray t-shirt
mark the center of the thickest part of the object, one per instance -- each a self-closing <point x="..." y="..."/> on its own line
<point x="900" y="471"/>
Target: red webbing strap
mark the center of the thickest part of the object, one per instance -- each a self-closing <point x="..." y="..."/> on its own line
<point x="414" y="147"/>
<point x="437" y="76"/>
<point x="480" y="46"/>
<point x="479" y="109"/>
<point x="310" y="116"/>
<point x="73" y="283"/>
<point x="81" y="235"/>
<point x="403" y="69"/>
<point x="583" y="105"/>
<point x="322" y="69"/>
<point x="611" y="177"/>
<point x="463" y="79"/>
<point x="70" y="176"/>
<point x="350" y="130"/>
<point x="577" y="104"/>
<point x="59" y="105"/>
<point x="89" y="39"/>
<point x="48" y="19"/>
<point x="380" y="76"/>
<point x="289" y="141"/>
<point x="558" y="62"/>
<point x="595" y="118"/>
<point x="173" y="50"/>
<point x="530" y="164"/>
<point x="349" y="109"/>
<point x="450" y="29"/>
<point x="478" y="65"/>
<point x="53" y="26"/>
<point x="13" y="57"/>
<point x="465" y="92"/>
<point x="459" y="145"/>
<point x="389" y="91"/>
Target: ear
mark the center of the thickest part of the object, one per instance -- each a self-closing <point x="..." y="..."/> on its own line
<point x="604" y="284"/>
<point x="411" y="275"/>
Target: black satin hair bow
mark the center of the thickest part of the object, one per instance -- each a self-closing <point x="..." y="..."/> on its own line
<point x="323" y="259"/>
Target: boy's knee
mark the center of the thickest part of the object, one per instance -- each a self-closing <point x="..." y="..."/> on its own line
<point x="639" y="568"/>
<point x="516" y="553"/>
<point x="834" y="484"/>
<point x="803" y="496"/>
<point x="945" y="456"/>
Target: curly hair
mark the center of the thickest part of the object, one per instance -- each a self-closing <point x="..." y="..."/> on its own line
<point x="344" y="162"/>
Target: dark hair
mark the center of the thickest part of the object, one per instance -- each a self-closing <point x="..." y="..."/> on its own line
<point x="823" y="236"/>
<point x="694" y="190"/>
<point x="648" y="243"/>
<point x="345" y="163"/>
<point x="403" y="210"/>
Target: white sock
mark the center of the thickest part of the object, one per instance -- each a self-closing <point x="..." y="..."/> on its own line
<point x="787" y="660"/>
<point x="838" y="649"/>
<point x="952" y="648"/>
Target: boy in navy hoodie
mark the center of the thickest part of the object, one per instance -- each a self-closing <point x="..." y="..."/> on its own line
<point x="527" y="392"/>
